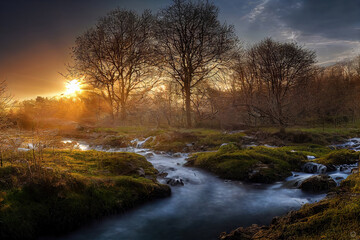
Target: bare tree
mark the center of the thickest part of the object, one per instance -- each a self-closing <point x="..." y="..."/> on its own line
<point x="193" y="44"/>
<point x="5" y="99"/>
<point x="278" y="69"/>
<point x="116" y="57"/>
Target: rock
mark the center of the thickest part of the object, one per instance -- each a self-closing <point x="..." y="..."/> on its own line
<point x="311" y="167"/>
<point x="141" y="172"/>
<point x="175" y="182"/>
<point x="318" y="183"/>
<point x="355" y="170"/>
<point x="339" y="178"/>
<point x="330" y="168"/>
<point x="149" y="155"/>
<point x="309" y="157"/>
<point x="162" y="174"/>
<point x="242" y="233"/>
<point x="176" y="155"/>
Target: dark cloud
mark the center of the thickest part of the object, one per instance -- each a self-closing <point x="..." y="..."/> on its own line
<point x="335" y="19"/>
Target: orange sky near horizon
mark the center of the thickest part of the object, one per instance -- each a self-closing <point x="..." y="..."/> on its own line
<point x="27" y="73"/>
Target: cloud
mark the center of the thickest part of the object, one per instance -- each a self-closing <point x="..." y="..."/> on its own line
<point x="330" y="27"/>
<point x="333" y="19"/>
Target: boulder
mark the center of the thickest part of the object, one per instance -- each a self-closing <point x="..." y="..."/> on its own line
<point x="317" y="184"/>
<point x="311" y="167"/>
<point x="149" y="155"/>
<point x="175" y="182"/>
<point x="176" y="155"/>
<point x="331" y="168"/>
<point x="162" y="174"/>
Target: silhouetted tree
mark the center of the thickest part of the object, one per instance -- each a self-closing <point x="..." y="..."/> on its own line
<point x="116" y="56"/>
<point x="193" y="44"/>
<point x="5" y="99"/>
<point x="278" y="69"/>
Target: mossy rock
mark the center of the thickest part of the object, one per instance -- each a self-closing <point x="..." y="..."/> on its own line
<point x="339" y="157"/>
<point x="258" y="164"/>
<point x="318" y="184"/>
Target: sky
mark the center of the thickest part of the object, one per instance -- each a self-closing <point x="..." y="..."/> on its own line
<point x="36" y="36"/>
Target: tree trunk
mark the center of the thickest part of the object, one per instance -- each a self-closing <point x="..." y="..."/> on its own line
<point x="188" y="106"/>
<point x="282" y="129"/>
<point x="123" y="112"/>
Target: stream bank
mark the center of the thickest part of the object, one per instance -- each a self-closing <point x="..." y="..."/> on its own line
<point x="205" y="206"/>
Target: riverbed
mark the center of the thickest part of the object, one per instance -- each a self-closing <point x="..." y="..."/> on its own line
<point x="201" y="209"/>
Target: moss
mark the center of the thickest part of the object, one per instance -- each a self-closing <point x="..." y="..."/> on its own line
<point x="116" y="141"/>
<point x="338" y="157"/>
<point x="258" y="164"/>
<point x="72" y="188"/>
<point x="193" y="140"/>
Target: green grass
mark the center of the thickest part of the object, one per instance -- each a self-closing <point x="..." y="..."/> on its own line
<point x="257" y="164"/>
<point x="339" y="157"/>
<point x="200" y="139"/>
<point x="168" y="139"/>
<point x="70" y="189"/>
<point x="314" y="135"/>
<point x="263" y="164"/>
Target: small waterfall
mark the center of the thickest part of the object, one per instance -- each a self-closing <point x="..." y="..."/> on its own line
<point x="312" y="167"/>
<point x="140" y="143"/>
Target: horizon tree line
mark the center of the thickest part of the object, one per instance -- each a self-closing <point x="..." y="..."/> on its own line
<point x="183" y="67"/>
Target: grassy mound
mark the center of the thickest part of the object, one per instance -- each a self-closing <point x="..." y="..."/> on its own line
<point x="192" y="140"/>
<point x="257" y="164"/>
<point x="337" y="217"/>
<point x="70" y="189"/>
<point x="166" y="139"/>
<point x="339" y="157"/>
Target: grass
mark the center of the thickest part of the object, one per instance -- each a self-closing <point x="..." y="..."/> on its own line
<point x="315" y="135"/>
<point x="257" y="164"/>
<point x="193" y="140"/>
<point x="167" y="139"/>
<point x="70" y="189"/>
<point x="264" y="164"/>
<point x="339" y="157"/>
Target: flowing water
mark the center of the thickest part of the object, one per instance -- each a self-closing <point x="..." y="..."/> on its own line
<point x="201" y="209"/>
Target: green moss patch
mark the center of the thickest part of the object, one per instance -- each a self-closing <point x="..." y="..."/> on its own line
<point x="70" y="189"/>
<point x="257" y="164"/>
<point x="338" y="157"/>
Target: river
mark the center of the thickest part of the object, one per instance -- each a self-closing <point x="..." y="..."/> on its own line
<point x="201" y="209"/>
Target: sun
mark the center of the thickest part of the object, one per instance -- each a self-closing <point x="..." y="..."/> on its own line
<point x="73" y="87"/>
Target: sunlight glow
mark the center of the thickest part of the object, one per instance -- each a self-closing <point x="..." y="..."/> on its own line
<point x="73" y="87"/>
